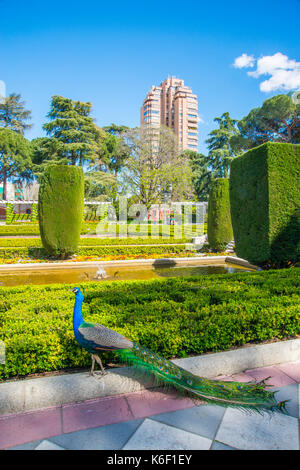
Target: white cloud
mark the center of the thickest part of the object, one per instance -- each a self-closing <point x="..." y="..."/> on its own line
<point x="244" y="61"/>
<point x="200" y="120"/>
<point x="284" y="72"/>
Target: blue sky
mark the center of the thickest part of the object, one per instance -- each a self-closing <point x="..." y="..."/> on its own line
<point x="110" y="53"/>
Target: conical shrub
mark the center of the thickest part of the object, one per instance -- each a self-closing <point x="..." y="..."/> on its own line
<point x="60" y="209"/>
<point x="219" y="228"/>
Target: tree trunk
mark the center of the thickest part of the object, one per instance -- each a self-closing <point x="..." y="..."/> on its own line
<point x="4" y="184"/>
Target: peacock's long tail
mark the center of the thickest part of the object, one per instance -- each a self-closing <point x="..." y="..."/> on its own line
<point x="246" y="396"/>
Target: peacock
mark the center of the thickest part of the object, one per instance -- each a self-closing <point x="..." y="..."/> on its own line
<point x="96" y="338"/>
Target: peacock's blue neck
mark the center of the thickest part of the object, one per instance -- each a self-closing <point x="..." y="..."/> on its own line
<point x="77" y="313"/>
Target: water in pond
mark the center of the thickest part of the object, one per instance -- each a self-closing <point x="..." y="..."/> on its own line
<point x="100" y="274"/>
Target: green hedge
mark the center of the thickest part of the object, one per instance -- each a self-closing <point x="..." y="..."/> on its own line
<point x="60" y="209"/>
<point x="219" y="229"/>
<point x="90" y="228"/>
<point x="40" y="253"/>
<point x="19" y="229"/>
<point x="173" y="317"/>
<point x="265" y="204"/>
<point x="34" y="213"/>
<point x="144" y="230"/>
<point x="9" y="214"/>
<point x="36" y="242"/>
<point x="32" y="228"/>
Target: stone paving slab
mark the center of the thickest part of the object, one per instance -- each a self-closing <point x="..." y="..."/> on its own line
<point x="292" y="369"/>
<point x="277" y="377"/>
<point x="220" y="446"/>
<point x="48" y="445"/>
<point x="148" y="403"/>
<point x="259" y="432"/>
<point x="203" y="420"/>
<point x="110" y="437"/>
<point x="291" y="393"/>
<point x="24" y="427"/>
<point x="94" y="413"/>
<point x="152" y="435"/>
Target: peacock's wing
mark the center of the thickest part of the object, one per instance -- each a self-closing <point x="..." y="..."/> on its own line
<point x="99" y="337"/>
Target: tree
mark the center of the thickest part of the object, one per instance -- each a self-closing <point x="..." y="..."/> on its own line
<point x="114" y="151"/>
<point x="75" y="136"/>
<point x="46" y="151"/>
<point x="116" y="130"/>
<point x="154" y="165"/>
<point x="202" y="176"/>
<point x="15" y="156"/>
<point x="13" y="114"/>
<point x="278" y="120"/>
<point x="221" y="151"/>
<point x="101" y="178"/>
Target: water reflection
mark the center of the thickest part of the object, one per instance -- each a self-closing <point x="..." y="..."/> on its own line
<point x="98" y="273"/>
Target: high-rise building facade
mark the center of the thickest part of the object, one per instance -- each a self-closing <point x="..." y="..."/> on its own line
<point x="174" y="105"/>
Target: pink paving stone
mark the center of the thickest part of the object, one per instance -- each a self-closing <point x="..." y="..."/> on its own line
<point x="93" y="413"/>
<point x="148" y="403"/>
<point x="292" y="369"/>
<point x="241" y="377"/>
<point x="19" y="428"/>
<point x="278" y="378"/>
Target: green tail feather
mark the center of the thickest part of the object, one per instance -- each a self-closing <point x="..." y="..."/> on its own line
<point x="246" y="396"/>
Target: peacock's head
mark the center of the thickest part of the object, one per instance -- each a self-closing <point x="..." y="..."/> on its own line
<point x="77" y="292"/>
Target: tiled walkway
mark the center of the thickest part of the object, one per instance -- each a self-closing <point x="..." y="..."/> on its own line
<point x="159" y="421"/>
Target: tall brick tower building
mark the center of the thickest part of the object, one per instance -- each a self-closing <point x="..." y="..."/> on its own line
<point x="174" y="105"/>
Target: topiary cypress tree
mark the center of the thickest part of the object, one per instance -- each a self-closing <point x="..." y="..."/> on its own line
<point x="265" y="204"/>
<point x="60" y="209"/>
<point x="219" y="229"/>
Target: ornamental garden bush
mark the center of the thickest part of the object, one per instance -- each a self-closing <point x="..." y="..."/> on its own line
<point x="34" y="213"/>
<point x="9" y="216"/>
<point x="173" y="317"/>
<point x="34" y="251"/>
<point x="265" y="204"/>
<point x="60" y="209"/>
<point x="219" y="229"/>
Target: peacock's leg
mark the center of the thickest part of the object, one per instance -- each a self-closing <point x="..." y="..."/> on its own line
<point x="93" y="365"/>
<point x="100" y="363"/>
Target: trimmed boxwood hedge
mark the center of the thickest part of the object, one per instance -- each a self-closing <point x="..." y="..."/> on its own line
<point x="219" y="229"/>
<point x="36" y="242"/>
<point x="39" y="253"/>
<point x="32" y="228"/>
<point x="173" y="317"/>
<point x="265" y="204"/>
<point x="90" y="228"/>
